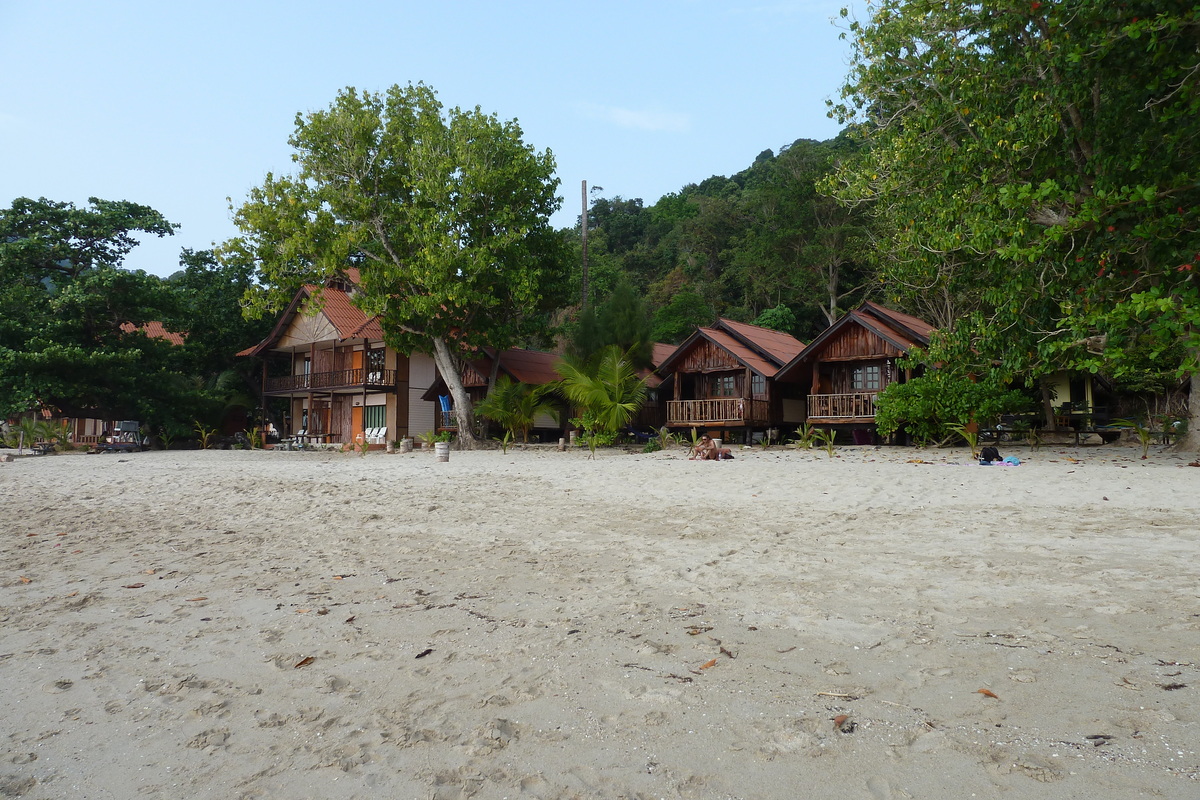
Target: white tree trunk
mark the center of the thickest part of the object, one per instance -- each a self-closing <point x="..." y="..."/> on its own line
<point x="464" y="413"/>
<point x="1191" y="440"/>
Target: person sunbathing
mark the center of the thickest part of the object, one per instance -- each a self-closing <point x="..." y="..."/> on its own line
<point x="707" y="450"/>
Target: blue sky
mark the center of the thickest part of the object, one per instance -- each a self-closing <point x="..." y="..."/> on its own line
<point x="181" y="105"/>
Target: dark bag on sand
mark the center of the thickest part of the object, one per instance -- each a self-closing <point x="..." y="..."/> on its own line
<point x="989" y="455"/>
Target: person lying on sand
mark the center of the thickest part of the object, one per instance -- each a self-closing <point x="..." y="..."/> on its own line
<point x="707" y="450"/>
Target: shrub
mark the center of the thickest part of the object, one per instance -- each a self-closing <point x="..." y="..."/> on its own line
<point x="929" y="407"/>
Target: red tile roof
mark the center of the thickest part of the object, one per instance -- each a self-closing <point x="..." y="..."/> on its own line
<point x="350" y="322"/>
<point x="343" y="315"/>
<point x="901" y="330"/>
<point x="761" y="349"/>
<point x="155" y="330"/>
<point x="660" y="352"/>
<point x="741" y="351"/>
<point x="781" y="347"/>
<point x="530" y="366"/>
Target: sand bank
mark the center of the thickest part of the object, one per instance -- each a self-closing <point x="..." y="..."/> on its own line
<point x="537" y="625"/>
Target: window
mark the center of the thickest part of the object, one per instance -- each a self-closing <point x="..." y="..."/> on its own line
<point x="375" y="416"/>
<point x="724" y="386"/>
<point x="865" y="379"/>
<point x="758" y="385"/>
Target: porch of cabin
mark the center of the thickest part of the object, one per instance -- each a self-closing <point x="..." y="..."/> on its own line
<point x="730" y="399"/>
<point x="845" y="392"/>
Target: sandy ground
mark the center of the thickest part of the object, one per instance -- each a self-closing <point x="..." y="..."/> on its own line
<point x="537" y="625"/>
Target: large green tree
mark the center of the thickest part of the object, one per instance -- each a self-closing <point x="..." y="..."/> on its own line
<point x="1033" y="169"/>
<point x="444" y="212"/>
<point x="63" y="303"/>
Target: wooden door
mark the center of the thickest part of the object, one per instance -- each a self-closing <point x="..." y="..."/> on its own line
<point x="356" y="423"/>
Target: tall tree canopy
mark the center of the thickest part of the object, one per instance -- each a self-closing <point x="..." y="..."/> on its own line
<point x="63" y="301"/>
<point x="1033" y="169"/>
<point x="444" y="213"/>
<point x="736" y="246"/>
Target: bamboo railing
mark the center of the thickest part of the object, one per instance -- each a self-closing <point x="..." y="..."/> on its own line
<point x="725" y="409"/>
<point x="857" y="405"/>
<point x="337" y="379"/>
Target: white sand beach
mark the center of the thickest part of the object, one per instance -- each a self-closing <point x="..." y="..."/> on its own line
<point x="235" y="624"/>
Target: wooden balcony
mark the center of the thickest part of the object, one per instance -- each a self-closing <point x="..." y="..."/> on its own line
<point x="344" y="380"/>
<point x="731" y="411"/>
<point x="852" y="407"/>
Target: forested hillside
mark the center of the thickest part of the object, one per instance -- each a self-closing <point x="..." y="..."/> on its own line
<point x="762" y="245"/>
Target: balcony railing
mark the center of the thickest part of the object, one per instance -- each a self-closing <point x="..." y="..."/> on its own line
<point x="338" y="379"/>
<point x="858" y="405"/>
<point x="723" y="410"/>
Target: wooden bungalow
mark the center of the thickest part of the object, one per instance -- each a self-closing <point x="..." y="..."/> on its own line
<point x="653" y="413"/>
<point x="725" y="377"/>
<point x="339" y="377"/>
<point x="532" y="367"/>
<point x="844" y="369"/>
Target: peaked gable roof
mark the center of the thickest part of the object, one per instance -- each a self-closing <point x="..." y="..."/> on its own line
<point x="345" y="319"/>
<point x="776" y="345"/>
<point x="761" y="349"/>
<point x="902" y="331"/>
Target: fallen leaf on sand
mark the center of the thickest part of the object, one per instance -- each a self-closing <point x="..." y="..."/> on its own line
<point x="728" y="653"/>
<point x="303" y="610"/>
<point x="26" y="580"/>
<point x="196" y="599"/>
<point x="424" y="653"/>
<point x="349" y="620"/>
<point x="840" y="720"/>
<point x="133" y="586"/>
<point x="60" y="534"/>
<point x="707" y="664"/>
<point x="72" y="594"/>
<point x="987" y="693"/>
<point x="304" y="662"/>
<point x="1194" y="463"/>
<point x="148" y="572"/>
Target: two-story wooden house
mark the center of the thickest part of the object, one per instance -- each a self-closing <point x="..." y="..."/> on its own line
<point x="339" y="377"/>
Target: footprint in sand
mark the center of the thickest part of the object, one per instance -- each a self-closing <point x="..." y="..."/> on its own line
<point x="58" y="686"/>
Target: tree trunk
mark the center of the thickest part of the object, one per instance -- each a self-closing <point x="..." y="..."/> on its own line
<point x="1048" y="407"/>
<point x="463" y="411"/>
<point x="1191" y="440"/>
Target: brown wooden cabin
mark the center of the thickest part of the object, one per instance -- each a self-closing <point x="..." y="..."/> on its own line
<point x="725" y="377"/>
<point x="532" y="367"/>
<point x="340" y="378"/>
<point x="653" y="414"/>
<point x="845" y="368"/>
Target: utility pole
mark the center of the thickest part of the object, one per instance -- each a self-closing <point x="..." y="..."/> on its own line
<point x="583" y="226"/>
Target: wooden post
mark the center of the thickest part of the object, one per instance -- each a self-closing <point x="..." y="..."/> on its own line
<point x="583" y="226"/>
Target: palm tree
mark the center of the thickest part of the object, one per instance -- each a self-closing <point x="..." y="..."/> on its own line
<point x="516" y="406"/>
<point x="606" y="388"/>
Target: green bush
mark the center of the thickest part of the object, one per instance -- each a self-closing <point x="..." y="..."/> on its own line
<point x="930" y="407"/>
